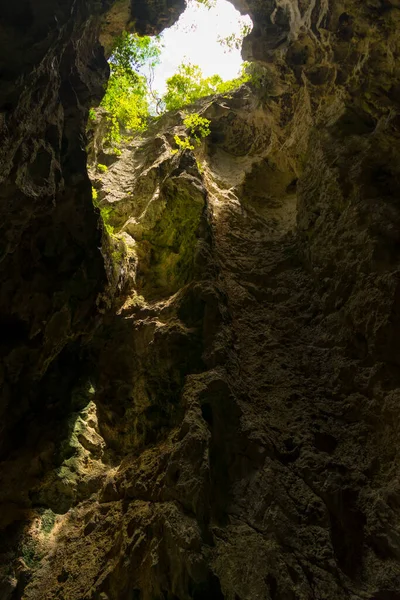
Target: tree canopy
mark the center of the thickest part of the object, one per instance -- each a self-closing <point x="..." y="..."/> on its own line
<point x="132" y="52"/>
<point x="188" y="85"/>
<point x="234" y="41"/>
<point x="127" y="96"/>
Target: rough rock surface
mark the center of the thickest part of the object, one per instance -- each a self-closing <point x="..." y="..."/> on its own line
<point x="52" y="270"/>
<point x="229" y="429"/>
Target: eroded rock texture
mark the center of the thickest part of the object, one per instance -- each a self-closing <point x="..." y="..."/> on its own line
<point x="52" y="70"/>
<point x="229" y="428"/>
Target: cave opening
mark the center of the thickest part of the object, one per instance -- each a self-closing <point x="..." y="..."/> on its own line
<point x="208" y="34"/>
<point x="199" y="56"/>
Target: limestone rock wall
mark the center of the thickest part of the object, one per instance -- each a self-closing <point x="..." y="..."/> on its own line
<point x="229" y="429"/>
<point x="52" y="270"/>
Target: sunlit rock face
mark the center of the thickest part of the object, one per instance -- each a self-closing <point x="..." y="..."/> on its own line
<point x="207" y="405"/>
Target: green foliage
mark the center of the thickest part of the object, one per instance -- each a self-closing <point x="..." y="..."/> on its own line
<point x="126" y="98"/>
<point x="183" y="144"/>
<point x="198" y="127"/>
<point x="92" y="115"/>
<point x="131" y="52"/>
<point x="30" y="553"/>
<point x="114" y="103"/>
<point x="109" y="228"/>
<point x="102" y="168"/>
<point x="207" y="3"/>
<point x="126" y="101"/>
<point x="128" y="95"/>
<point x="105" y="212"/>
<point x="48" y="519"/>
<point x="105" y="215"/>
<point x="200" y="166"/>
<point x="234" y="41"/>
<point x="188" y="85"/>
<point x="233" y="84"/>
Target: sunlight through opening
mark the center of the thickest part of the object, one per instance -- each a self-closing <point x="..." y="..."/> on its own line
<point x="199" y="56"/>
<point x="209" y="37"/>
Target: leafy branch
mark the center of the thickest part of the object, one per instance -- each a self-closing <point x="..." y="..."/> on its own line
<point x="198" y="128"/>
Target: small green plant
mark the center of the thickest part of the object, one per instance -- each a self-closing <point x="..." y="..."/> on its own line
<point x="92" y="115"/>
<point x="102" y="168"/>
<point x="197" y="127"/>
<point x="105" y="214"/>
<point x="234" y="41"/>
<point x="48" y="519"/>
<point x="109" y="228"/>
<point x="182" y="144"/>
<point x="200" y="167"/>
<point x="30" y="554"/>
<point x="207" y="3"/>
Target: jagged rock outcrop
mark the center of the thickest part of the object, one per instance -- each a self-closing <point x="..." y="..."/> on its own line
<point x="53" y="69"/>
<point x="229" y="429"/>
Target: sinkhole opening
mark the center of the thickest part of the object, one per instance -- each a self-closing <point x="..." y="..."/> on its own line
<point x="199" y="56"/>
<point x="205" y="44"/>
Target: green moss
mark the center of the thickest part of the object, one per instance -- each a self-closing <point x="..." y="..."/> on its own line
<point x="102" y="168"/>
<point x="67" y="473"/>
<point x="48" y="519"/>
<point x="173" y="240"/>
<point x="118" y="256"/>
<point x="106" y="212"/>
<point x="31" y="554"/>
<point x="109" y="228"/>
<point x="117" y="252"/>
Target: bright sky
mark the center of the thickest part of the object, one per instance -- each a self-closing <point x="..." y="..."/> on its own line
<point x="194" y="39"/>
